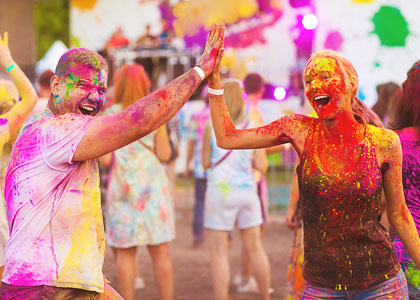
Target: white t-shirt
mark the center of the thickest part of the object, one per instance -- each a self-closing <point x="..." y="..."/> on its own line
<point x="53" y="207"/>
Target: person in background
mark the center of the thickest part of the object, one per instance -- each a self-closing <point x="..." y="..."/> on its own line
<point x="254" y="89"/>
<point x="44" y="91"/>
<point x="147" y="40"/>
<point x="232" y="198"/>
<point x="139" y="209"/>
<point x="194" y="152"/>
<point x="384" y="107"/>
<point x="11" y="119"/>
<point x="406" y="122"/>
<point x="117" y="40"/>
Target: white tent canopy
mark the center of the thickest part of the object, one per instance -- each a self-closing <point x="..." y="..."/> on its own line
<point x="50" y="59"/>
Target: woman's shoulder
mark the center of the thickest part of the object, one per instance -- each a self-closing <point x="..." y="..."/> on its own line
<point x="383" y="138"/>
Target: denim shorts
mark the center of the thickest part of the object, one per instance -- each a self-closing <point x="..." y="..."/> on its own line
<point x="394" y="288"/>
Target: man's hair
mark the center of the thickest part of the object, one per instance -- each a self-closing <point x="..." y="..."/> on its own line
<point x="253" y="83"/>
<point x="44" y="78"/>
<point x="81" y="56"/>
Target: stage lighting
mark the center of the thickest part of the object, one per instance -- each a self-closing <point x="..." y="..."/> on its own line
<point x="280" y="93"/>
<point x="310" y="21"/>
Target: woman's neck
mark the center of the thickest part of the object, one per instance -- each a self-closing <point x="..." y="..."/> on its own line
<point x="344" y="129"/>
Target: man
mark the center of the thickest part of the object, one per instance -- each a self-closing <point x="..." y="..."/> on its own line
<point x="56" y="248"/>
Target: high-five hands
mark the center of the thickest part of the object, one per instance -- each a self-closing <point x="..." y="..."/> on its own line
<point x="213" y="50"/>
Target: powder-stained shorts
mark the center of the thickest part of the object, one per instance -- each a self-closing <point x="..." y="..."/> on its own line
<point x="394" y="288"/>
<point x="224" y="206"/>
<point x="46" y="292"/>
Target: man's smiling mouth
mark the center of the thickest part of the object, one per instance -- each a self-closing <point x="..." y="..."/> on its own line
<point x="87" y="110"/>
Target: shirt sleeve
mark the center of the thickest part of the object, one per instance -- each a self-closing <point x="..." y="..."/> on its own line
<point x="60" y="136"/>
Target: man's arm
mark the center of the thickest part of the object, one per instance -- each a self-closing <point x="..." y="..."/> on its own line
<point x="108" y="133"/>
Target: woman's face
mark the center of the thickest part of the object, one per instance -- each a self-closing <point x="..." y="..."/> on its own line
<point x="325" y="88"/>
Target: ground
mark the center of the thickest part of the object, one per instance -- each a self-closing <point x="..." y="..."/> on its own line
<point x="192" y="265"/>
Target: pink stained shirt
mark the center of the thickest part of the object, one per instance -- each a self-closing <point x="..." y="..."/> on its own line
<point x="53" y="208"/>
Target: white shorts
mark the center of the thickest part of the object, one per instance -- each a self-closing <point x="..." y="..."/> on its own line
<point x="223" y="209"/>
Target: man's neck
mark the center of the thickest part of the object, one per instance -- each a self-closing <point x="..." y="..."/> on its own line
<point x="253" y="99"/>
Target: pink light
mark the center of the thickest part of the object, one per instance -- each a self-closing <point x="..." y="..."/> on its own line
<point x="280" y="93"/>
<point x="310" y="21"/>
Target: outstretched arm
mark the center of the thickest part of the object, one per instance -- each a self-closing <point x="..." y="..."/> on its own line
<point x="398" y="213"/>
<point x="289" y="129"/>
<point x="18" y="114"/>
<point x="108" y="133"/>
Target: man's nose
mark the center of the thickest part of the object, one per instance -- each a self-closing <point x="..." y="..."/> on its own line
<point x="93" y="95"/>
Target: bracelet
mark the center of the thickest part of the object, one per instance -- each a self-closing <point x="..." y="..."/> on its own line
<point x="9" y="68"/>
<point x="215" y="92"/>
<point x="200" y="72"/>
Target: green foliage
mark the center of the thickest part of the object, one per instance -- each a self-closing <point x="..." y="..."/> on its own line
<point x="52" y="22"/>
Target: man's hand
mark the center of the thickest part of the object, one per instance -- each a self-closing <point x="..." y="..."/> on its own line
<point x="214" y="44"/>
<point x="5" y="56"/>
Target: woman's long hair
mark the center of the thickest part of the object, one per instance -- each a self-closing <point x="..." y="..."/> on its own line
<point x="361" y="112"/>
<point x="234" y="100"/>
<point x="407" y="111"/>
<point x="131" y="83"/>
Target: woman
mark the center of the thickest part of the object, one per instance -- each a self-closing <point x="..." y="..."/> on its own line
<point x="139" y="209"/>
<point x="232" y="197"/>
<point x="407" y="123"/>
<point x="344" y="164"/>
<point x="11" y="121"/>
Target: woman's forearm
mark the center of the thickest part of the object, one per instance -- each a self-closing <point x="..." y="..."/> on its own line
<point x="403" y="224"/>
<point x="222" y="123"/>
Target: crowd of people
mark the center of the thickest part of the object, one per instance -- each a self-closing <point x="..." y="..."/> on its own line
<point x="354" y="201"/>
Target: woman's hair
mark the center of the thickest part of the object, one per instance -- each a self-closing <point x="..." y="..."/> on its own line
<point x="407" y="111"/>
<point x="130" y="84"/>
<point x="385" y="104"/>
<point x="361" y="112"/>
<point x="234" y="99"/>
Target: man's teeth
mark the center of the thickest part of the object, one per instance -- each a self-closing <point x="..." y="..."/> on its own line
<point x="88" y="108"/>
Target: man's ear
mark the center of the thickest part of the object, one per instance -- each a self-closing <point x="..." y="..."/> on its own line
<point x="55" y="84"/>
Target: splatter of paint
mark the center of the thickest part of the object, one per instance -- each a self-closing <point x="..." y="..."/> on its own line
<point x="333" y="41"/>
<point x="390" y="26"/>
<point x="83" y="4"/>
<point x="363" y="1"/>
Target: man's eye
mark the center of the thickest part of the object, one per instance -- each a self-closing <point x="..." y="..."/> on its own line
<point x="325" y="77"/>
<point x="308" y="81"/>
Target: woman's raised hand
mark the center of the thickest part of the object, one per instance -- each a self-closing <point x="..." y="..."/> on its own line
<point x="212" y="53"/>
<point x="5" y="56"/>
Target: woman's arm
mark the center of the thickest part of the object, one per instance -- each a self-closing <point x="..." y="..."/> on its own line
<point x="161" y="145"/>
<point x="106" y="160"/>
<point x="18" y="114"/>
<point x="206" y="154"/>
<point x="291" y="221"/>
<point x="289" y="129"/>
<point x="398" y="213"/>
<point x="260" y="161"/>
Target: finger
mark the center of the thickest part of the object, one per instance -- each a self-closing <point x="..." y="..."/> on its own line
<point x="222" y="35"/>
<point x="211" y="34"/>
<point x="216" y="35"/>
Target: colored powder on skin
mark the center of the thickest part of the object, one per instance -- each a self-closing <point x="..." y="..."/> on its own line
<point x="3" y="121"/>
<point x="404" y="214"/>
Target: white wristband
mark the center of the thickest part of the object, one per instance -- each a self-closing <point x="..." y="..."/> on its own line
<point x="200" y="72"/>
<point x="215" y="92"/>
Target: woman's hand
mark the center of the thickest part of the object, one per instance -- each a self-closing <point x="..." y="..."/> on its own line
<point x="5" y="56"/>
<point x="214" y="43"/>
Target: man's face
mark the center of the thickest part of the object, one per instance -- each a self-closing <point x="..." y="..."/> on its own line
<point x="81" y="91"/>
